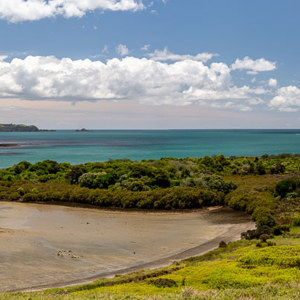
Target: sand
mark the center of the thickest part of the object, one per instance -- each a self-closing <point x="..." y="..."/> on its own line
<point x="51" y="246"/>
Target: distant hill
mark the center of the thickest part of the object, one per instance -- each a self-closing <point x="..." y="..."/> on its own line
<point x="17" y="128"/>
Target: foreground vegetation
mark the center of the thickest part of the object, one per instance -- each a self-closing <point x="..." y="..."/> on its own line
<point x="265" y="264"/>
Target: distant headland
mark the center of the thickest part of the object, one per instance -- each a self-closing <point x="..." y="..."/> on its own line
<point x="20" y="128"/>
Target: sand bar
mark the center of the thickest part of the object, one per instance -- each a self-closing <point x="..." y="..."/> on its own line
<point x="50" y="245"/>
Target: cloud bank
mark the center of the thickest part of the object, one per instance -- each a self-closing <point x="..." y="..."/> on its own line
<point x="143" y="80"/>
<point x="31" y="10"/>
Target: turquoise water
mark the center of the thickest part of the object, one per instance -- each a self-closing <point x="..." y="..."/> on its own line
<point x="79" y="147"/>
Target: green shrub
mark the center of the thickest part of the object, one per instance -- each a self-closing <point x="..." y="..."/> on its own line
<point x="21" y="191"/>
<point x="222" y="244"/>
<point x="74" y="173"/>
<point x="264" y="237"/>
<point x="163" y="282"/>
<point x="296" y="222"/>
<point x="280" y="229"/>
<point x="31" y="197"/>
<point x="278" y="168"/>
<point x="287" y="186"/>
<point x="263" y="216"/>
<point x="14" y="196"/>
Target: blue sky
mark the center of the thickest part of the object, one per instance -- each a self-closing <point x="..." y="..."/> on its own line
<point x="150" y="64"/>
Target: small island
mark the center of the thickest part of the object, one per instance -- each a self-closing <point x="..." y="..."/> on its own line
<point x="20" y="128"/>
<point x="81" y="130"/>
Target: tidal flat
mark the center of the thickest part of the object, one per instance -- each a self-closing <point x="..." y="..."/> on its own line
<point x="51" y="245"/>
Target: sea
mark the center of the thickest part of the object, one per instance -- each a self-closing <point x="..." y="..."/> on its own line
<point x="102" y="145"/>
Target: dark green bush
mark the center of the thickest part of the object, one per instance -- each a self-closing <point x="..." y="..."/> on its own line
<point x="31" y="197"/>
<point x="287" y="186"/>
<point x="296" y="222"/>
<point x="280" y="229"/>
<point x="74" y="173"/>
<point x="277" y="169"/>
<point x="163" y="282"/>
<point x="264" y="237"/>
<point x="263" y="216"/>
<point x="222" y="244"/>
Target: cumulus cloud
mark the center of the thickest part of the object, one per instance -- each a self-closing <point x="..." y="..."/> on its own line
<point x="166" y="55"/>
<point x="3" y="57"/>
<point x="272" y="82"/>
<point x="253" y="66"/>
<point x="122" y="50"/>
<point x="31" y="10"/>
<point x="140" y="79"/>
<point x="287" y="99"/>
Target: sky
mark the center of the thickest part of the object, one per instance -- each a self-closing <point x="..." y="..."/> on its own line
<point x="150" y="64"/>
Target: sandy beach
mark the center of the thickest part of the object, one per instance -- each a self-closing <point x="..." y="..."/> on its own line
<point x="50" y="245"/>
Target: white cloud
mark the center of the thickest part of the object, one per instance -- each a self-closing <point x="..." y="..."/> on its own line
<point x="3" y="57"/>
<point x="31" y="10"/>
<point x="146" y="47"/>
<point x="253" y="66"/>
<point x="272" y="82"/>
<point x="287" y="99"/>
<point x="105" y="49"/>
<point x="166" y="55"/>
<point x="139" y="79"/>
<point x="245" y="108"/>
<point x="122" y="50"/>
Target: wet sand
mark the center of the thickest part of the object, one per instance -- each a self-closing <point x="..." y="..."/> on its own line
<point x="49" y="245"/>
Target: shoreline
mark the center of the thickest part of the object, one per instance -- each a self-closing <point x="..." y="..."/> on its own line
<point x="174" y="236"/>
<point x="163" y="262"/>
<point x="121" y="209"/>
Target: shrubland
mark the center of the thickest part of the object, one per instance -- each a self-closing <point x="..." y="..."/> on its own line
<point x="150" y="174"/>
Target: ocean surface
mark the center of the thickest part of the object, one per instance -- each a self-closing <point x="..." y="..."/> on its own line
<point x="101" y="145"/>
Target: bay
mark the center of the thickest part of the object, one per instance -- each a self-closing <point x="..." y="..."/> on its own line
<point x="102" y="145"/>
